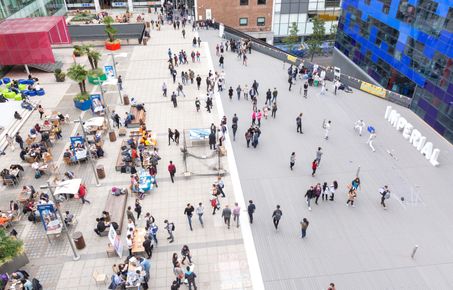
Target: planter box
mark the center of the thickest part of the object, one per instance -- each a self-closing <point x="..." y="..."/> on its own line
<point x="112" y="45"/>
<point x="95" y="81"/>
<point x="15" y="264"/>
<point x="85" y="105"/>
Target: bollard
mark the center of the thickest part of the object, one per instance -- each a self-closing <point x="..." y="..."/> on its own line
<point x="414" y="251"/>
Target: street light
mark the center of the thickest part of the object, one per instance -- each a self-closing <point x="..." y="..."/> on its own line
<point x="76" y="255"/>
<point x="88" y="150"/>
<point x="112" y="136"/>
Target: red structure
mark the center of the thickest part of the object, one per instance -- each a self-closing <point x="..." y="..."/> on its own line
<point x="28" y="40"/>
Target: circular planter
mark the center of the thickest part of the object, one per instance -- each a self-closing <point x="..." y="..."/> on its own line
<point x="83" y="106"/>
<point x="95" y="81"/>
<point x="112" y="45"/>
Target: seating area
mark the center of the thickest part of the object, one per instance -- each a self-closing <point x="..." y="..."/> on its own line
<point x="116" y="206"/>
<point x="139" y="117"/>
<point x="14" y="89"/>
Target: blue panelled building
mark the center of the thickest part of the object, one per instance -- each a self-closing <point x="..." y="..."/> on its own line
<point x="406" y="46"/>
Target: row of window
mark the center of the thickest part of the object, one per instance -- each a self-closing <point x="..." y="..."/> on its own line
<point x="246" y="2"/>
<point x="260" y="21"/>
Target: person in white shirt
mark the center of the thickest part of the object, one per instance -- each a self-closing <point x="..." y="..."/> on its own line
<point x="327" y="129"/>
<point x="358" y="126"/>
<point x="370" y="141"/>
<point x="129" y="244"/>
<point x="37" y="87"/>
<point x="200" y="211"/>
<point x="130" y="225"/>
<point x="236" y="213"/>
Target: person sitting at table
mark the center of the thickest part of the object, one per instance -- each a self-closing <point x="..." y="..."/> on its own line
<point x="26" y="284"/>
<point x="99" y="151"/>
<point x="37" y="128"/>
<point x="68" y="154"/>
<point x="57" y="131"/>
<point x="100" y="227"/>
<point x="13" y="207"/>
<point x="69" y="218"/>
<point x="128" y="119"/>
<point x="9" y="176"/>
<point x="142" y="130"/>
<point x="37" y="87"/>
<point x="16" y="166"/>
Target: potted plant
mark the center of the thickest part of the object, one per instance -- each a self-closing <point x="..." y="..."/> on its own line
<point x="78" y="73"/>
<point x="59" y="75"/>
<point x="78" y="51"/>
<point x="12" y="253"/>
<point x="93" y="57"/>
<point x="112" y="43"/>
<point x="96" y="76"/>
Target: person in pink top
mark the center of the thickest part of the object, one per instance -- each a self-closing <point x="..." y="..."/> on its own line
<point x="253" y="117"/>
<point x="259" y="115"/>
<point x="236" y="213"/>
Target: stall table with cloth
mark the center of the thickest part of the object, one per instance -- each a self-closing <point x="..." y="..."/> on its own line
<point x="146" y="181"/>
<point x="137" y="241"/>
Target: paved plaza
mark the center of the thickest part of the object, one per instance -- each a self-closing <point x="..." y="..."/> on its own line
<point x="364" y="247"/>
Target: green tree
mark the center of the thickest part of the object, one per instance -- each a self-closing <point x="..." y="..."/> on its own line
<point x="93" y="57"/>
<point x="108" y="21"/>
<point x="333" y="31"/>
<point x="292" y="38"/>
<point x="78" y="73"/>
<point x="9" y="247"/>
<point x="317" y="37"/>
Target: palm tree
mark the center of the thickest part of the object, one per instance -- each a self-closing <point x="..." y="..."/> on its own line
<point x="108" y="21"/>
<point x="93" y="57"/>
<point x="78" y="73"/>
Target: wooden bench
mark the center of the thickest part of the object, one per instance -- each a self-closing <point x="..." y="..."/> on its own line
<point x="138" y="116"/>
<point x="136" y="133"/>
<point x="116" y="206"/>
<point x="119" y="159"/>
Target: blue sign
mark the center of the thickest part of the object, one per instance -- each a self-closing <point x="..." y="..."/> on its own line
<point x="96" y="103"/>
<point x="119" y="4"/>
<point x="109" y="72"/>
<point x="48" y="217"/>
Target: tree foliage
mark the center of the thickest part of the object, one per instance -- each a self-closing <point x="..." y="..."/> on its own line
<point x="78" y="73"/>
<point x="317" y="37"/>
<point x="9" y="247"/>
<point x="292" y="38"/>
<point x="111" y="32"/>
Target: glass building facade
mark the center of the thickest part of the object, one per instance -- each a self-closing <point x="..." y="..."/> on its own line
<point x="407" y="47"/>
<point x="31" y="8"/>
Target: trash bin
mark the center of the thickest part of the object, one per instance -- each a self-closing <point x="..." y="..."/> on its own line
<point x="126" y="100"/>
<point x="112" y="136"/>
<point x="79" y="241"/>
<point x="100" y="171"/>
<point x="315" y="83"/>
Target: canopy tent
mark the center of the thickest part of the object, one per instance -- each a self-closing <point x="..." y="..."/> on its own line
<point x="70" y="186"/>
<point x="93" y="122"/>
<point x="29" y="40"/>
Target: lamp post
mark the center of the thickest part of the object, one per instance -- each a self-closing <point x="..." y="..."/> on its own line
<point x="112" y="136"/>
<point x="51" y="188"/>
<point x="116" y="72"/>
<point x="88" y="150"/>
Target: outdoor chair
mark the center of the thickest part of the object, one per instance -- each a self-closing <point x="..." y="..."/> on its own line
<point x="41" y="92"/>
<point x="32" y="93"/>
<point x="98" y="277"/>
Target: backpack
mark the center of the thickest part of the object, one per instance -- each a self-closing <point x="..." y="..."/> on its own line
<point x="36" y="284"/>
<point x="172" y="226"/>
<point x="387" y="195"/>
<point x="37" y="174"/>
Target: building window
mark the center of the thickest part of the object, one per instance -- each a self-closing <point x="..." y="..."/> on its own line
<point x="261" y="2"/>
<point x="243" y="21"/>
<point x="244" y="2"/>
<point x="260" y="21"/>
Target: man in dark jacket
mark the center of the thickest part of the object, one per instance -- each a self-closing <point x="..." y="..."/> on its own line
<point x="148" y="245"/>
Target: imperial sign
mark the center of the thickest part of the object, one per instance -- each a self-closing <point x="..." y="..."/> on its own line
<point x="412" y="135"/>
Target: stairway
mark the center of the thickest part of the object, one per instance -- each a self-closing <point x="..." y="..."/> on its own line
<point x="48" y="67"/>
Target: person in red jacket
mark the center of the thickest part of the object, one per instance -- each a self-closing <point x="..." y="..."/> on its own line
<point x="172" y="171"/>
<point x="83" y="193"/>
<point x="314" y="166"/>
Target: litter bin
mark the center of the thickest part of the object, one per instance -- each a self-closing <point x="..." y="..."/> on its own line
<point x="112" y="136"/>
<point x="126" y="100"/>
<point x="100" y="171"/>
<point x="79" y="241"/>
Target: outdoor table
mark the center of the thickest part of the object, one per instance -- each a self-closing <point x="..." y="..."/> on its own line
<point x="137" y="241"/>
<point x="81" y="154"/>
<point x="53" y="231"/>
<point x="13" y="285"/>
<point x="23" y="197"/>
<point x="130" y="275"/>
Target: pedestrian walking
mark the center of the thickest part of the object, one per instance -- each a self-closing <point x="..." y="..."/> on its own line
<point x="221" y="60"/>
<point x="255" y="86"/>
<point x="318" y="191"/>
<point x="248" y="137"/>
<point x="120" y="82"/>
<point x="236" y="213"/>
<point x="230" y="93"/>
<point x="352" y="194"/>
<point x="292" y="160"/>
<point x="314" y="166"/>
<point x="197" y="104"/>
<point x="323" y="88"/>
<point x="309" y="195"/>
<point x="238" y="92"/>
<point x="138" y="208"/>
<point x="234" y="126"/>
<point x="333" y="189"/>
<point x="177" y="134"/>
<point x="190" y="276"/>
<point x="170" y="227"/>
<point x="10" y="142"/>
<point x="226" y="214"/>
<point x="173" y="100"/>
<point x="164" y="89"/>
<point x="303" y="226"/>
<point x="180" y="90"/>
<point x="189" y="212"/>
<point x="327" y="129"/>
<point x="170" y="136"/>
<point x="199" y="41"/>
<point x="83" y="193"/>
<point x="19" y="141"/>
<point x="215" y="204"/>
<point x="172" y="171"/>
<point x="220" y="185"/>
<point x="305" y="89"/>
<point x="40" y="111"/>
<point x="299" y="124"/>
<point x="130" y="245"/>
<point x="276" y="216"/>
<point x="148" y="246"/>
<point x="325" y="191"/>
<point x="355" y="183"/>
<point x="130" y="214"/>
<point x="183" y="33"/>
<point x="290" y="81"/>
<point x="358" y="126"/>
<point x="259" y="116"/>
<point x="274" y="110"/>
<point x="319" y="155"/>
<point x="198" y="80"/>
<point x="331" y="286"/>
<point x="385" y="194"/>
<point x="268" y="97"/>
<point x="200" y="211"/>
<point x="371" y="140"/>
<point x="274" y="95"/>
<point x="246" y="92"/>
<point x="185" y="253"/>
<point x="251" y="210"/>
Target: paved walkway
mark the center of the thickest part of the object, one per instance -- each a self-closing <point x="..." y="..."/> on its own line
<point x="356" y="248"/>
<point x="218" y="253"/>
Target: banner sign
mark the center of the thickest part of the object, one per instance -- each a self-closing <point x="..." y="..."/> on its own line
<point x="119" y="4"/>
<point x="109" y="72"/>
<point x="49" y="218"/>
<point x="76" y="141"/>
<point x="96" y="103"/>
<point x="116" y="242"/>
<point x="291" y="58"/>
<point x="372" y="89"/>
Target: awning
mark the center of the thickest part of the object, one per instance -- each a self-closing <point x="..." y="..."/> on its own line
<point x="70" y="186"/>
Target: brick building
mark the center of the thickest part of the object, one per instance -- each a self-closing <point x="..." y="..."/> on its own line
<point x="251" y="16"/>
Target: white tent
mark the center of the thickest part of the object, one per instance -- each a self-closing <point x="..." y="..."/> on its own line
<point x="70" y="186"/>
